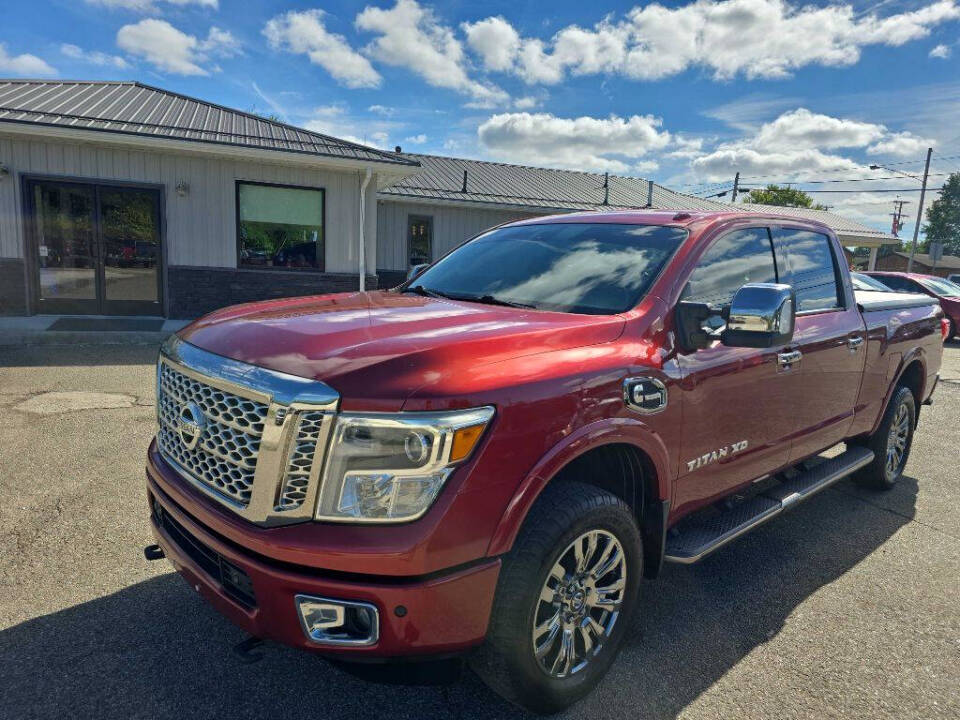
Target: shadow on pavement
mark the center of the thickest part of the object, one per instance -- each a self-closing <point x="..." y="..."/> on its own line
<point x="155" y="650"/>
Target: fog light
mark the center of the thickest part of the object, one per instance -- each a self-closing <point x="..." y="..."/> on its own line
<point x="338" y="622"/>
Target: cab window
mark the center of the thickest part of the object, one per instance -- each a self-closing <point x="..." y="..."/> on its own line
<point x="811" y="269"/>
<point x="738" y="258"/>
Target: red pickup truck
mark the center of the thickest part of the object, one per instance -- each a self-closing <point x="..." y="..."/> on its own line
<point x="488" y="458"/>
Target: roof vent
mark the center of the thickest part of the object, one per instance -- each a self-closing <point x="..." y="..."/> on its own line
<point x="398" y="149"/>
<point x="682" y="216"/>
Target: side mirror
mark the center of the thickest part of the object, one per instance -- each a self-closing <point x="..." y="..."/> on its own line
<point x="761" y="315"/>
<point x="416" y="270"/>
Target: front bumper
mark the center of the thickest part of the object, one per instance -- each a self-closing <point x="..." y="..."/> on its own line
<point x="440" y="613"/>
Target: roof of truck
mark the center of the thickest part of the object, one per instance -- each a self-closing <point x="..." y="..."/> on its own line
<point x="681" y="218"/>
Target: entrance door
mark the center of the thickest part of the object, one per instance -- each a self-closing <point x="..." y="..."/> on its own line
<point x="96" y="248"/>
<point x="419" y="240"/>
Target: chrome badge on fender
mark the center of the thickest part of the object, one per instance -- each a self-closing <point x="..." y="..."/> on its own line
<point x="714" y="456"/>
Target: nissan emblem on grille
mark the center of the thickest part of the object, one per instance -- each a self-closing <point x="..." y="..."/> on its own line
<point x="190" y="425"/>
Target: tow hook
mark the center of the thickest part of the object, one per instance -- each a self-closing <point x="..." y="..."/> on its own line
<point x="244" y="649"/>
<point x="154" y="552"/>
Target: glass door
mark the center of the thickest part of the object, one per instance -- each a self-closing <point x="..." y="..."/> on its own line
<point x="96" y="248"/>
<point x="64" y="225"/>
<point x="130" y="251"/>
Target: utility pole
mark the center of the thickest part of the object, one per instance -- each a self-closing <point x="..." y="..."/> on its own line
<point x="916" y="228"/>
<point x="897" y="216"/>
<point x="736" y="187"/>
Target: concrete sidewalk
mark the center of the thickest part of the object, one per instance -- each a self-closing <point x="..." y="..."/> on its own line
<point x="36" y="330"/>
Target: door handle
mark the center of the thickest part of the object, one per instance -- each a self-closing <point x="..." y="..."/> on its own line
<point x="854" y="343"/>
<point x="787" y="360"/>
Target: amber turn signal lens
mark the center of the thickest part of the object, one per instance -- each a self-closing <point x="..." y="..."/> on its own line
<point x="463" y="441"/>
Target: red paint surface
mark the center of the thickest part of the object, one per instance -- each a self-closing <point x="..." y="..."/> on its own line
<point x="556" y="381"/>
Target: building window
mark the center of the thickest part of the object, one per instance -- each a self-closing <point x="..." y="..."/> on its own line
<point x="279" y="226"/>
<point x="419" y="239"/>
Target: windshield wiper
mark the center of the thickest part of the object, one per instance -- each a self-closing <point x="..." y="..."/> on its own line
<point x="426" y="292"/>
<point x="486" y="299"/>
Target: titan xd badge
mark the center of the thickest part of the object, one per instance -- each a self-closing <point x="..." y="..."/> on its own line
<point x="714" y="455"/>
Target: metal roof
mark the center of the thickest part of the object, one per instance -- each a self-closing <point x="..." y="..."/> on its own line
<point x="532" y="187"/>
<point x="545" y="189"/>
<point x="843" y="227"/>
<point x="136" y="109"/>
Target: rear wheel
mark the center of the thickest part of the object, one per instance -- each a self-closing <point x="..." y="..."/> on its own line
<point x="891" y="442"/>
<point x="566" y="593"/>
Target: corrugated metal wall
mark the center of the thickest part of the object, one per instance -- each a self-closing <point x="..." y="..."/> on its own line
<point x="451" y="226"/>
<point x="201" y="227"/>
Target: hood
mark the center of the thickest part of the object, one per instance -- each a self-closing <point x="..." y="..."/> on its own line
<point x="377" y="348"/>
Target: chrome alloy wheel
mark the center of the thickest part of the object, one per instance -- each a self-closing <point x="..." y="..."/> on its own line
<point x="579" y="603"/>
<point x="897" y="440"/>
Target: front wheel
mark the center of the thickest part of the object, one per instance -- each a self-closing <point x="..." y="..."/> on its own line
<point x="564" y="601"/>
<point x="891" y="442"/>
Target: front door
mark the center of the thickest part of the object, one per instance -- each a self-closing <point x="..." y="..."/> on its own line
<point x="419" y="240"/>
<point x="738" y="403"/>
<point x="96" y="248"/>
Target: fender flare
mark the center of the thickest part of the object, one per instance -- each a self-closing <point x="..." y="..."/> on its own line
<point x="621" y="430"/>
<point x="917" y="354"/>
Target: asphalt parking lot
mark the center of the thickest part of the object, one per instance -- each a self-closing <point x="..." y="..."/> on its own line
<point x="849" y="606"/>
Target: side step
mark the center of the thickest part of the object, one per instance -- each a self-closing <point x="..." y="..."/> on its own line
<point x="693" y="539"/>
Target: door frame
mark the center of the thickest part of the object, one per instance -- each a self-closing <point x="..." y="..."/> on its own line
<point x="31" y="250"/>
<point x="417" y="217"/>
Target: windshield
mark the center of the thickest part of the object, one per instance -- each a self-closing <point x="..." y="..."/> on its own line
<point x="940" y="286"/>
<point x="597" y="269"/>
<point x="865" y="282"/>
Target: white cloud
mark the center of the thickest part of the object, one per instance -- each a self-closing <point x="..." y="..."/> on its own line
<point x="902" y="145"/>
<point x="305" y="32"/>
<point x="801" y="128"/>
<point x="755" y="38"/>
<point x="797" y="144"/>
<point x="416" y="139"/>
<point x="94" y="57"/>
<point x="381" y="110"/>
<point x="171" y="50"/>
<point x="149" y="6"/>
<point x="941" y="51"/>
<point x="25" y="65"/>
<point x="411" y="36"/>
<point x="583" y="143"/>
<point x="495" y="41"/>
<point x="526" y="103"/>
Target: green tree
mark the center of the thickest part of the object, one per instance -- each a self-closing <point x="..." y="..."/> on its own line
<point x="782" y="196"/>
<point x="943" y="217"/>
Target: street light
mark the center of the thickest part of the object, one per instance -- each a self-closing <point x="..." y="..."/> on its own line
<point x="899" y="172"/>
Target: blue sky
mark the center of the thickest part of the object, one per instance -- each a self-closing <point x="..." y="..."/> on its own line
<point x="684" y="92"/>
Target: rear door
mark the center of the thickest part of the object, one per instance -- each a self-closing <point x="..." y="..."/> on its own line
<point x="830" y="335"/>
<point x="738" y="410"/>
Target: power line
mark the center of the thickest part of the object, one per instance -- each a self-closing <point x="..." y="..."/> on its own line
<point x="877" y="190"/>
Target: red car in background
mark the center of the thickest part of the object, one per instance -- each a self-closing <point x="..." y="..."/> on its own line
<point x="948" y="293"/>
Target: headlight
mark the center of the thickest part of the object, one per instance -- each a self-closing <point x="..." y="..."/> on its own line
<point x="389" y="468"/>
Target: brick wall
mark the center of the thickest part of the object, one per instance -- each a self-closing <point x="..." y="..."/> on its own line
<point x="896" y="263"/>
<point x="194" y="291"/>
<point x="13" y="288"/>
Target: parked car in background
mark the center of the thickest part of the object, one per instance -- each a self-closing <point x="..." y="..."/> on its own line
<point x="865" y="282"/>
<point x="488" y="458"/>
<point x="948" y="293"/>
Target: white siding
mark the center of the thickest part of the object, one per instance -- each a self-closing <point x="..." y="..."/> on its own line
<point x="451" y="226"/>
<point x="201" y="227"/>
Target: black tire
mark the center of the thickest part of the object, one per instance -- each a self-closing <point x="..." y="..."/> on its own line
<point x="879" y="474"/>
<point x="564" y="513"/>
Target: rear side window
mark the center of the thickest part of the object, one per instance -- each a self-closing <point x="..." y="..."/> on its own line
<point x="811" y="269"/>
<point x="738" y="258"/>
<point x="895" y="282"/>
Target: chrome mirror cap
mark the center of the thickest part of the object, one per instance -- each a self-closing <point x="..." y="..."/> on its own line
<point x="761" y="315"/>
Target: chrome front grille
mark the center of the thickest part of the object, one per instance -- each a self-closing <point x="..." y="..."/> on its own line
<point x="251" y="438"/>
<point x="225" y="457"/>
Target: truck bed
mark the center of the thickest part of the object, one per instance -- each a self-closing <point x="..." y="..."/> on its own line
<point x="875" y="301"/>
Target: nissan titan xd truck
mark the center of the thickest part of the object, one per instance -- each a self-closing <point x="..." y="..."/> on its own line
<point x="487" y="459"/>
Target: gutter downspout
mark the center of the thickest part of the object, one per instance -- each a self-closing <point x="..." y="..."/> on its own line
<point x="363" y="229"/>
